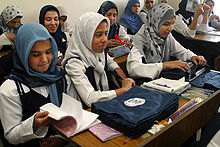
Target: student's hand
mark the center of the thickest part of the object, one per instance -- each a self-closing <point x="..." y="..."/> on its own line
<point x="112" y="43"/>
<point x="176" y="64"/>
<point x="198" y="10"/>
<point x="41" y="119"/>
<point x="199" y="60"/>
<point x="127" y="42"/>
<point x="11" y="36"/>
<point x="128" y="83"/>
<point x="206" y="9"/>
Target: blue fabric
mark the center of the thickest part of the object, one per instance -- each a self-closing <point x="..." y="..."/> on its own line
<point x="211" y="78"/>
<point x="130" y="20"/>
<point x="155" y="103"/>
<point x="104" y="8"/>
<point x="27" y="35"/>
<point x="58" y="34"/>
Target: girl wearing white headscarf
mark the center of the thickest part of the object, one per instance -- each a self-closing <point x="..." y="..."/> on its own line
<point x="88" y="67"/>
<point x="66" y="27"/>
<point x="154" y="44"/>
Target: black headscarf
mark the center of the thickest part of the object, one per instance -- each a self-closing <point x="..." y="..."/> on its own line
<point x="114" y="28"/>
<point x="58" y="35"/>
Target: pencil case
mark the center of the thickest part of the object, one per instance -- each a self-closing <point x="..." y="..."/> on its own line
<point x="119" y="51"/>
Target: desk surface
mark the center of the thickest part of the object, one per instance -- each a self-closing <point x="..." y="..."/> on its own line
<point x="209" y="37"/>
<point x="181" y="129"/>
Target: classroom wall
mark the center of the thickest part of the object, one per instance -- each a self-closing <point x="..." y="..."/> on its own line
<point x="31" y="8"/>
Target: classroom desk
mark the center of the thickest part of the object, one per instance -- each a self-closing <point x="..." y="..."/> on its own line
<point x="122" y="62"/>
<point x="208" y="38"/>
<point x="174" y="134"/>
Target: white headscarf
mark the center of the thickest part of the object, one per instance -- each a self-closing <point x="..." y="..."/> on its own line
<point x="82" y="46"/>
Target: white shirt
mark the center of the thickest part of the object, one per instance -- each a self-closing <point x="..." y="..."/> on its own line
<point x="122" y="33"/>
<point x="203" y="28"/>
<point x="4" y="40"/>
<point x="182" y="27"/>
<point x="16" y="130"/>
<point x="137" y="69"/>
<point x="75" y="68"/>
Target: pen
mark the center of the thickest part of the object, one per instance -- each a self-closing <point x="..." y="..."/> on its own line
<point x="127" y="140"/>
<point x="163" y="85"/>
<point x="117" y="38"/>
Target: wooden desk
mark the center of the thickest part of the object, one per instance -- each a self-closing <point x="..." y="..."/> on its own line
<point x="122" y="62"/>
<point x="174" y="134"/>
<point x="207" y="37"/>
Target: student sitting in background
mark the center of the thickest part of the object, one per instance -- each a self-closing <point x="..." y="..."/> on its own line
<point x="88" y="65"/>
<point x="50" y="18"/>
<point x="110" y="10"/>
<point x="186" y="21"/>
<point x="35" y="81"/>
<point x="203" y="20"/>
<point x="153" y="46"/>
<point x="10" y="21"/>
<point x="130" y="19"/>
<point x="148" y="4"/>
<point x="66" y="27"/>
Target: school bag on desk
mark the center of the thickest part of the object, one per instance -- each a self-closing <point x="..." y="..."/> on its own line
<point x="135" y="111"/>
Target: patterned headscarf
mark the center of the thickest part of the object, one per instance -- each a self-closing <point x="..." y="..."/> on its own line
<point x="27" y="35"/>
<point x="9" y="13"/>
<point x="130" y="20"/>
<point x="148" y="40"/>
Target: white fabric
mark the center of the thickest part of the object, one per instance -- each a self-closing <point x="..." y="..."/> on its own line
<point x="122" y="34"/>
<point x="4" y="40"/>
<point x="215" y="142"/>
<point x="16" y="130"/>
<point x="182" y="28"/>
<point x="137" y="69"/>
<point x="203" y="28"/>
<point x="81" y="47"/>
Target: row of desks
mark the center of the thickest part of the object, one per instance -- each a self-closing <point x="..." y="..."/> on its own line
<point x="175" y="133"/>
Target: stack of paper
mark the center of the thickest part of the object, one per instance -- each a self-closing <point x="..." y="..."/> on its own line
<point x="70" y="118"/>
<point x="168" y="85"/>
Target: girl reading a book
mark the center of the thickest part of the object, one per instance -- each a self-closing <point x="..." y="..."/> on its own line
<point x="154" y="44"/>
<point x="110" y="10"/>
<point x="35" y="81"/>
<point x="88" y="64"/>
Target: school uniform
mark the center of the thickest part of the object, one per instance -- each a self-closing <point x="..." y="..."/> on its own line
<point x="150" y="50"/>
<point x="29" y="89"/>
<point x="80" y="57"/>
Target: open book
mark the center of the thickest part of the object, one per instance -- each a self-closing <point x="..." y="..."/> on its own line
<point x="104" y="132"/>
<point x="70" y="118"/>
<point x="168" y="85"/>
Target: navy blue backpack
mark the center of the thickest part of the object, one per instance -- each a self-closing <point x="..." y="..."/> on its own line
<point x="135" y="111"/>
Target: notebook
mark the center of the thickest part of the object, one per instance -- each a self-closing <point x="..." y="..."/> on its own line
<point x="104" y="132"/>
<point x="70" y="118"/>
<point x="168" y="85"/>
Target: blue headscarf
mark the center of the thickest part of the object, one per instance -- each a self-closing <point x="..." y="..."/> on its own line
<point x="130" y="20"/>
<point x="27" y="35"/>
<point x="104" y="8"/>
<point x="58" y="34"/>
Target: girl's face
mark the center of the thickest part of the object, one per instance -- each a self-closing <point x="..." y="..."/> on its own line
<point x="135" y="8"/>
<point x="112" y="15"/>
<point x="14" y="22"/>
<point x="40" y="56"/>
<point x="51" y="21"/>
<point x="211" y="5"/>
<point x="100" y="37"/>
<point x="165" y="29"/>
<point x="149" y="4"/>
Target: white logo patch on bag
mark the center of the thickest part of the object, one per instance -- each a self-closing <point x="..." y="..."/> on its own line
<point x="134" y="102"/>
